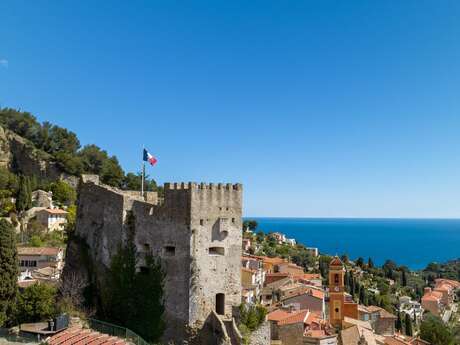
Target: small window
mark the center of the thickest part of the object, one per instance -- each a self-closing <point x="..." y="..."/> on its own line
<point x="201" y="222"/>
<point x="233" y="220"/>
<point x="170" y="251"/>
<point x="146" y="247"/>
<point x="216" y="251"/>
<point x="144" y="270"/>
<point x="336" y="278"/>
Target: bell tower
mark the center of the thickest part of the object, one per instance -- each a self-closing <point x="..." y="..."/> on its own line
<point x="336" y="292"/>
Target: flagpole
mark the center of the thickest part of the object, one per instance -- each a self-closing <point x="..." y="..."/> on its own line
<point x="143" y="172"/>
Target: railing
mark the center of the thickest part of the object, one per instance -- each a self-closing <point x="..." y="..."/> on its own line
<point x="116" y="331"/>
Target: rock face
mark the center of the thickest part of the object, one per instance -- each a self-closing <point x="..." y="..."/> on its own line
<point x="20" y="156"/>
<point x="197" y="234"/>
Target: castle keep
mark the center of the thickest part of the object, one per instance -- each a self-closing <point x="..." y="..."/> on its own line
<point x="195" y="230"/>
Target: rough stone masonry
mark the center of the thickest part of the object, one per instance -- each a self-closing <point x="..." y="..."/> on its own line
<point x="196" y="230"/>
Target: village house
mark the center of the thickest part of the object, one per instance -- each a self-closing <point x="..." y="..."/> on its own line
<point x="310" y="279"/>
<point x="271" y="265"/>
<point x="358" y="334"/>
<point x="251" y="279"/>
<point x="52" y="218"/>
<point x="432" y="301"/>
<point x="411" y="307"/>
<point x="448" y="288"/>
<point x="312" y="251"/>
<point x="292" y="326"/>
<point x="304" y="278"/>
<point x="270" y="293"/>
<point x="382" y="322"/>
<point x="278" y="237"/>
<point x="246" y="244"/>
<point x="288" y="267"/>
<point x="39" y="258"/>
<point x="309" y="298"/>
<point x="442" y="296"/>
<point x="291" y="241"/>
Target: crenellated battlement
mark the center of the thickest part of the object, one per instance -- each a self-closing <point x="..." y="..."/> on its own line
<point x="202" y="185"/>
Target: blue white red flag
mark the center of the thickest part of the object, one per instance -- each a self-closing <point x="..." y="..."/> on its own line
<point x="149" y="158"/>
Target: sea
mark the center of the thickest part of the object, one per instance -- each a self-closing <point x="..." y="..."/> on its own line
<point x="410" y="242"/>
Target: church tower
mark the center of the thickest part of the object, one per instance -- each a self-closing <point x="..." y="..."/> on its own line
<point x="336" y="292"/>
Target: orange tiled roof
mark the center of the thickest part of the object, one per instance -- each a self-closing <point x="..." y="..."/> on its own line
<point x="49" y="251"/>
<point x="55" y="211"/>
<point x="296" y="318"/>
<point x="453" y="283"/>
<point x="444" y="287"/>
<point x="308" y="276"/>
<point x="284" y="317"/>
<point x="79" y="336"/>
<point x="432" y="296"/>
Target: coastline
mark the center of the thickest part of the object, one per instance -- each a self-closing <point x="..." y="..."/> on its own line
<point x="407" y="241"/>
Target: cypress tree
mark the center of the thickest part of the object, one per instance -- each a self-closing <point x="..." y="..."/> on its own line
<point x="362" y="296"/>
<point x="398" y="324"/>
<point x="408" y="325"/>
<point x="24" y="198"/>
<point x="9" y="270"/>
<point x="404" y="278"/>
<point x="347" y="281"/>
<point x="370" y="263"/>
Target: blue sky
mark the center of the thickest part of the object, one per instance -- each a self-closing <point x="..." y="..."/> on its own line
<point x="321" y="108"/>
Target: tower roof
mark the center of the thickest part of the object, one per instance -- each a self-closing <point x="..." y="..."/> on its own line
<point x="336" y="261"/>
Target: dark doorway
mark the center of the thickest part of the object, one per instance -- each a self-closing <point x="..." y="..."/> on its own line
<point x="220" y="304"/>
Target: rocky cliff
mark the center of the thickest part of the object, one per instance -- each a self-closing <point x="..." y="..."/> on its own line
<point x="20" y="156"/>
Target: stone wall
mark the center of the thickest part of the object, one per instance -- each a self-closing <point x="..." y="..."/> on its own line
<point x="261" y="336"/>
<point x="291" y="334"/>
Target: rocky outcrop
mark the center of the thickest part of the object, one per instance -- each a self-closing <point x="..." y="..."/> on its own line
<point x="20" y="156"/>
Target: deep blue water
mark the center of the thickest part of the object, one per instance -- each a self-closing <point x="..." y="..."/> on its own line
<point x="410" y="242"/>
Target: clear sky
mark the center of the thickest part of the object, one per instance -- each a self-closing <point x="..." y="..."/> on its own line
<point x="320" y="108"/>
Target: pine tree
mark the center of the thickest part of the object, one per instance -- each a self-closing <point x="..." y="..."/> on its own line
<point x="408" y="325"/>
<point x="8" y="269"/>
<point x="24" y="199"/>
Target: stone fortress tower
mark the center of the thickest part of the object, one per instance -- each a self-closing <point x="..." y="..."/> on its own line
<point x="195" y="230"/>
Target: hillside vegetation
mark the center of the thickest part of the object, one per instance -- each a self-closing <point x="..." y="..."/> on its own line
<point x="62" y="147"/>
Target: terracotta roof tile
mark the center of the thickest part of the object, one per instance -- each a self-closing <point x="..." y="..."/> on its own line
<point x="79" y="336"/>
<point x="49" y="251"/>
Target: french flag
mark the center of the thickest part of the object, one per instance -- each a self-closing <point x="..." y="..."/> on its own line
<point x="149" y="158"/>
